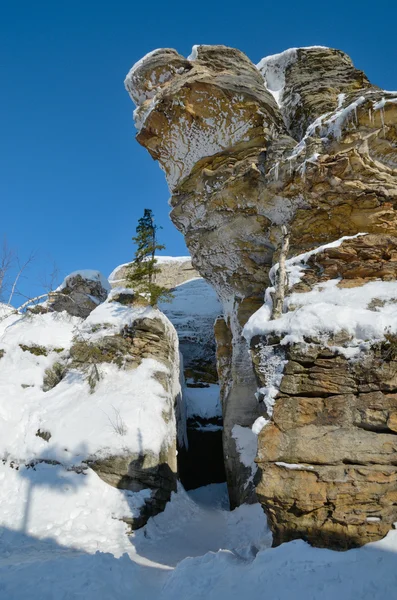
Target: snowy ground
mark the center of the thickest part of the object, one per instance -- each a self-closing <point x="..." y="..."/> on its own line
<point x="61" y="533"/>
<point x="196" y="549"/>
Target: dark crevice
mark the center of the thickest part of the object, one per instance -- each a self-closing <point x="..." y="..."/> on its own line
<point x="375" y="428"/>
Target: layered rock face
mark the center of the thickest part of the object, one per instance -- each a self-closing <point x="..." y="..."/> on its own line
<point x="328" y="455"/>
<point x="302" y="140"/>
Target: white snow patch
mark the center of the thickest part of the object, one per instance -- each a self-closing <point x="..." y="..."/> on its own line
<point x="316" y="313"/>
<point x="273" y="70"/>
<point x="271" y="366"/>
<point x="246" y="443"/>
<point x="246" y="439"/>
<point x="295" y="467"/>
<point x="259" y="424"/>
<point x="89" y="274"/>
<point x="114" y="317"/>
<point x="203" y="402"/>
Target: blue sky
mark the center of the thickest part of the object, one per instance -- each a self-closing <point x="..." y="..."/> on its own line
<point x="73" y="181"/>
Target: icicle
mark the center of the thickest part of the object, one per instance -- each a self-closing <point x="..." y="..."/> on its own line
<point x="382" y="117"/>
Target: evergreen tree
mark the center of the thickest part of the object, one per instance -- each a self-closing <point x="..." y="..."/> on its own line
<point x="141" y="275"/>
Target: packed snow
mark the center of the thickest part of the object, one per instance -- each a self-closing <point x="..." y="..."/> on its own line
<point x="61" y="527"/>
<point x="196" y="549"/>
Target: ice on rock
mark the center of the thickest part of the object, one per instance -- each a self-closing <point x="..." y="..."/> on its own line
<point x="273" y="70"/>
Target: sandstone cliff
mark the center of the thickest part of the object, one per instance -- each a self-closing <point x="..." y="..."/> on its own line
<point x="302" y="140"/>
<point x="327" y="373"/>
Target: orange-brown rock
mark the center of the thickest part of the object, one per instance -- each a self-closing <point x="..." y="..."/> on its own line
<point x="328" y="456"/>
<point x="303" y="140"/>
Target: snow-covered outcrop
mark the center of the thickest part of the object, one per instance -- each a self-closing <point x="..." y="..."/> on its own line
<point x="192" y="310"/>
<point x="93" y="401"/>
<point x="174" y="270"/>
<point x="327" y="375"/>
<point x="309" y="144"/>
<point x="80" y="293"/>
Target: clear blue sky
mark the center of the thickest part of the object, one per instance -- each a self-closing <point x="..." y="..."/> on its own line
<point x="73" y="181"/>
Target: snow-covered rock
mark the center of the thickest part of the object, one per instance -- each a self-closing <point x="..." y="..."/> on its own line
<point x="309" y="144"/>
<point x="79" y="293"/>
<point x="99" y="393"/>
<point x="327" y="375"/>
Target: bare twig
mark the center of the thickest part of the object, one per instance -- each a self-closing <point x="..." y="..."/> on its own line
<point x="7" y="257"/>
<point x="21" y="269"/>
<point x="49" y="282"/>
<point x="281" y="277"/>
<point x="118" y="424"/>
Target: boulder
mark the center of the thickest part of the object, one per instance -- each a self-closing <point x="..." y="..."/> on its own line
<point x="79" y="293"/>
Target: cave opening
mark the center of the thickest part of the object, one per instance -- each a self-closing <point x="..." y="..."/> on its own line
<point x="200" y="457"/>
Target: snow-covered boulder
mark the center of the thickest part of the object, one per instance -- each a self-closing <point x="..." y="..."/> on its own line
<point x="95" y="396"/>
<point x="80" y="293"/>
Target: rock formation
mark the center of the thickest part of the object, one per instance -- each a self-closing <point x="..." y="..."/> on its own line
<point x="174" y="270"/>
<point x="302" y="140"/>
<point x="192" y="310"/>
<point x="79" y="293"/>
<point x="99" y="391"/>
<point x="328" y="455"/>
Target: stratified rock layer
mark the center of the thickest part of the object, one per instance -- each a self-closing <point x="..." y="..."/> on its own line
<point x="310" y="144"/>
<point x="328" y="456"/>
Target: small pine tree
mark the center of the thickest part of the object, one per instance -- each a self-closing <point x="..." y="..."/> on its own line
<point x="141" y="275"/>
